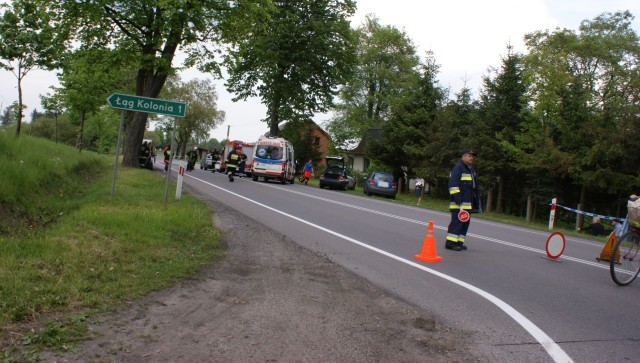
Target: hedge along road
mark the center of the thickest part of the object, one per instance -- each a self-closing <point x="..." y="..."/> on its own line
<point x="505" y="268"/>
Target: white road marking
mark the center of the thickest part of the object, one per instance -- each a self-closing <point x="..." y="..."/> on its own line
<point x="423" y="223"/>
<point x="552" y="348"/>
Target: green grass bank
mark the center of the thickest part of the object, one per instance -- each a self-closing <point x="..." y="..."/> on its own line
<point x="68" y="249"/>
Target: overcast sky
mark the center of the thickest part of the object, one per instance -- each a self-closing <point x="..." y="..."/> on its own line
<point x="466" y="36"/>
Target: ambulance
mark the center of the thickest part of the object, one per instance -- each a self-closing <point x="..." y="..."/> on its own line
<point x="273" y="158"/>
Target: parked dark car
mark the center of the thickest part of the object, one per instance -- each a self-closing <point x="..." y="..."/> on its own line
<point x="380" y="183"/>
<point x="336" y="176"/>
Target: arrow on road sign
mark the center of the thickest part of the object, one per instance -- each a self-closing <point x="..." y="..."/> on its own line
<point x="147" y="104"/>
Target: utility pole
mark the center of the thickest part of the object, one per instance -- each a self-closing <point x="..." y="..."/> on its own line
<point x="228" y="128"/>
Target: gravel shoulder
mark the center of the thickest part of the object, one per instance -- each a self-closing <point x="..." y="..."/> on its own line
<point x="270" y="300"/>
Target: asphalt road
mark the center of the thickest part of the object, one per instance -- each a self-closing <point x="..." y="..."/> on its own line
<point x="504" y="287"/>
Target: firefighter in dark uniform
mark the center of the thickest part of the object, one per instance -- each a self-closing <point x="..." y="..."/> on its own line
<point x="192" y="157"/>
<point x="233" y="160"/>
<point x="464" y="195"/>
<point x="145" y="156"/>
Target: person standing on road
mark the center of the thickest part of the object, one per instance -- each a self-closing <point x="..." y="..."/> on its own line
<point x="167" y="157"/>
<point x="243" y="162"/>
<point x="214" y="157"/>
<point x="233" y="161"/>
<point x="464" y="197"/>
<point x="192" y="157"/>
<point x="419" y="190"/>
<point x="307" y="172"/>
<point x="617" y="227"/>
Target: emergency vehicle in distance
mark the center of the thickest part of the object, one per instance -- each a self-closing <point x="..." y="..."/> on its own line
<point x="273" y="158"/>
<point x="247" y="149"/>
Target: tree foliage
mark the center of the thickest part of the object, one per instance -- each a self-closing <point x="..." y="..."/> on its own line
<point x="10" y="114"/>
<point x="203" y="115"/>
<point x="302" y="135"/>
<point x="30" y="38"/>
<point x="88" y="77"/>
<point x="504" y="105"/>
<point x="294" y="57"/>
<point x="387" y="65"/>
<point x="409" y="130"/>
<point x="585" y="92"/>
<point x="151" y="32"/>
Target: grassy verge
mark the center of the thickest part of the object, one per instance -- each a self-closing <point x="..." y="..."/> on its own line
<point x="71" y="250"/>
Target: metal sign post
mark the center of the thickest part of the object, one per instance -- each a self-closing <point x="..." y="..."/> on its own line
<point x="115" y="167"/>
<point x="166" y="184"/>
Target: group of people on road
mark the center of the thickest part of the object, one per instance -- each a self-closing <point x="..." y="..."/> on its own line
<point x="596" y="228"/>
<point x="464" y="191"/>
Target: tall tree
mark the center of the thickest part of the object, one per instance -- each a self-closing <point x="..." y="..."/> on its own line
<point x="151" y="31"/>
<point x="53" y="106"/>
<point x="10" y="114"/>
<point x="294" y="57"/>
<point x="585" y="87"/>
<point x="387" y="66"/>
<point x="504" y="107"/>
<point x="29" y="38"/>
<point x="88" y="77"/>
<point x="410" y="128"/>
<point x="456" y="127"/>
<point x="203" y="114"/>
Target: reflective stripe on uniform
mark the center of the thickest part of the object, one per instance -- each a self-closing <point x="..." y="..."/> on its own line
<point x="454" y="190"/>
<point x="465" y="206"/>
<point x="466" y="177"/>
<point x="452" y="238"/>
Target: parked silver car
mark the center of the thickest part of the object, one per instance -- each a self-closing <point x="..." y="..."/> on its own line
<point x="381" y="183"/>
<point x="206" y="162"/>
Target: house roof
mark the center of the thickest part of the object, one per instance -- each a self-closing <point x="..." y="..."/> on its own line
<point x="373" y="133"/>
<point x="310" y="122"/>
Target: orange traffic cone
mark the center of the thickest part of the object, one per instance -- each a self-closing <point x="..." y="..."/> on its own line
<point x="428" y="253"/>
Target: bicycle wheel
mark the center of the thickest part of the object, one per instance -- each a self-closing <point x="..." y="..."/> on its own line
<point x="625" y="259"/>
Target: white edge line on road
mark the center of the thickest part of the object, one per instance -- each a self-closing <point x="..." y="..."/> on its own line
<point x="373" y="211"/>
<point x="552" y="348"/>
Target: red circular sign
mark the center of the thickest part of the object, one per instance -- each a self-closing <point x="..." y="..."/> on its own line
<point x="555" y="245"/>
<point x="463" y="216"/>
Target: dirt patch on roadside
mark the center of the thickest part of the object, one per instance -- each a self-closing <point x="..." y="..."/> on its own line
<point x="270" y="300"/>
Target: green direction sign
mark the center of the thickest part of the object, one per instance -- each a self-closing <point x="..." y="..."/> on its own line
<point x="146" y="104"/>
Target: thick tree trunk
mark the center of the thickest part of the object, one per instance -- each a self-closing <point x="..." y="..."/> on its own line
<point x="583" y="197"/>
<point x="148" y="85"/>
<point x="81" y="131"/>
<point x="530" y="202"/>
<point x="136" y="123"/>
<point x="19" y="115"/>
<point x="489" y="205"/>
<point x="274" y="117"/>
<point x="500" y="200"/>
